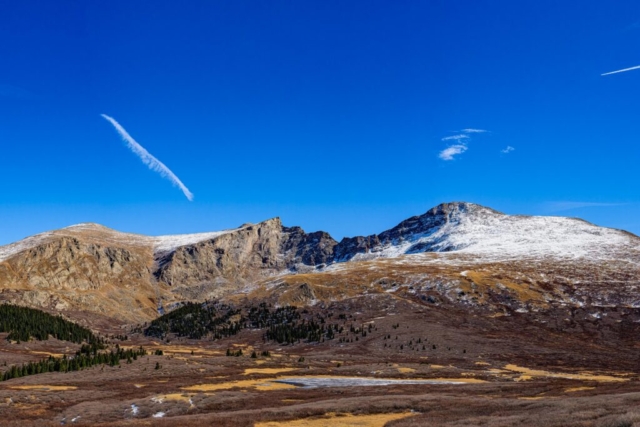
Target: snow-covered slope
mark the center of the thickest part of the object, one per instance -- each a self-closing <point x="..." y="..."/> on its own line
<point x="467" y="228"/>
<point x="89" y="267"/>
<point x="463" y="228"/>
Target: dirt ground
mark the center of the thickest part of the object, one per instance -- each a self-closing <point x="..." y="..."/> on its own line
<point x="518" y="369"/>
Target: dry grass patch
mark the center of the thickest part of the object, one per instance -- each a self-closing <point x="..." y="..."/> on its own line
<point x="529" y="373"/>
<point x="261" y="385"/>
<point x="340" y="420"/>
<point x="574" y="389"/>
<point x="44" y="387"/>
<point x="250" y="371"/>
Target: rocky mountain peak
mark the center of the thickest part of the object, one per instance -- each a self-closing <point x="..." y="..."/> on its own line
<point x="49" y="268"/>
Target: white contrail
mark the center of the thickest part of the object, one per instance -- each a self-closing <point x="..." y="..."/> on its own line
<point x="148" y="159"/>
<point x="621" y="71"/>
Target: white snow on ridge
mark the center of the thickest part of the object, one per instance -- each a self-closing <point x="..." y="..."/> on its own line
<point x="23" y="245"/>
<point x="493" y="235"/>
<point x="162" y="244"/>
<point x="463" y="228"/>
<point x="167" y="243"/>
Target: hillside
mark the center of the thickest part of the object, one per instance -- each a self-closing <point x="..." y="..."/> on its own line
<point x="486" y="316"/>
<point x="458" y="252"/>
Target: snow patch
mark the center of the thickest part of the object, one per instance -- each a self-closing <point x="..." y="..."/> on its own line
<point x="475" y="230"/>
<point x="164" y="244"/>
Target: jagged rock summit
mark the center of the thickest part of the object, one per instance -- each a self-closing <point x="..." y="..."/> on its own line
<point x="93" y="268"/>
<point x="473" y="229"/>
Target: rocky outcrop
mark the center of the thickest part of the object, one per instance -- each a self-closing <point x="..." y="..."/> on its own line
<point x="311" y="249"/>
<point x="422" y="225"/>
<point x="238" y="256"/>
<point x="68" y="263"/>
<point x="221" y="264"/>
<point x="92" y="268"/>
<point x="66" y="272"/>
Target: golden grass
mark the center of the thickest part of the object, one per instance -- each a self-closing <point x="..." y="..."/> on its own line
<point x="522" y="290"/>
<point x="460" y="380"/>
<point x="178" y="397"/>
<point x="404" y="370"/>
<point x="261" y="385"/>
<point x="44" y="387"/>
<point x="529" y="373"/>
<point x="46" y="353"/>
<point x="574" y="389"/>
<point x="340" y="420"/>
<point x="250" y="371"/>
<point x="184" y="349"/>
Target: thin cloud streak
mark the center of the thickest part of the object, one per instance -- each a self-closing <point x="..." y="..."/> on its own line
<point x="450" y="152"/>
<point x="621" y="71"/>
<point x="147" y="158"/>
<point x="474" y="130"/>
<point x="455" y="138"/>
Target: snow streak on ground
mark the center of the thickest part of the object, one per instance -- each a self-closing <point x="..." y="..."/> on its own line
<point x="311" y="382"/>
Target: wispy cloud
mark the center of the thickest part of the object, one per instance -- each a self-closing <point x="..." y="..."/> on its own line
<point x="621" y="71"/>
<point x="565" y="206"/>
<point x="507" y="150"/>
<point x="450" y="152"/>
<point x="455" y="138"/>
<point x="148" y="159"/>
<point x="459" y="143"/>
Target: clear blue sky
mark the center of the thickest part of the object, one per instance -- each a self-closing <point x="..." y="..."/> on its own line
<point x="329" y="114"/>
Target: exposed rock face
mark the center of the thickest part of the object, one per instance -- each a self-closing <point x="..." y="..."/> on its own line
<point x="422" y="225"/>
<point x="310" y="249"/>
<point x="92" y="268"/>
<point x="67" y="263"/>
<point x="67" y="272"/>
<point x="240" y="257"/>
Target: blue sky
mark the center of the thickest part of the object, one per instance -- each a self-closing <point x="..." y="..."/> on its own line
<point x="328" y="114"/>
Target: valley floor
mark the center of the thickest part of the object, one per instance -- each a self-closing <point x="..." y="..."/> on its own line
<point x="418" y="366"/>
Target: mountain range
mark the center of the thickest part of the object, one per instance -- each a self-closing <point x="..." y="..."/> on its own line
<point x="459" y="253"/>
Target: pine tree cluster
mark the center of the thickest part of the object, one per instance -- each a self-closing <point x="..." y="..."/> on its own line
<point x="286" y="325"/>
<point x="196" y="321"/>
<point x="24" y="323"/>
<point x="86" y="357"/>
